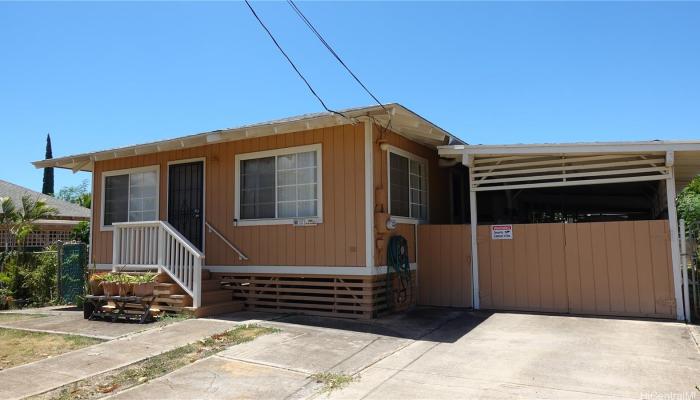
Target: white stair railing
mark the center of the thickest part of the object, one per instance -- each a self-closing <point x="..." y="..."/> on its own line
<point x="156" y="244"/>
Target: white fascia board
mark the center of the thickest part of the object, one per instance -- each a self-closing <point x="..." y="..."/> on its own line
<point x="562" y="148"/>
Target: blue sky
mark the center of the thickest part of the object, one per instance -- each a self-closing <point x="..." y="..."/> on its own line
<point x="98" y="75"/>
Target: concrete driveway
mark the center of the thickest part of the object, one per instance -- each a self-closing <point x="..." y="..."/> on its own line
<point x="438" y="353"/>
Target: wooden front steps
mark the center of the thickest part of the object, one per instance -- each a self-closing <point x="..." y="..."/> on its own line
<point x="215" y="300"/>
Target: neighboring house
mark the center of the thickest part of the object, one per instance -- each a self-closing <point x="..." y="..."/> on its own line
<point x="48" y="231"/>
<point x="297" y="214"/>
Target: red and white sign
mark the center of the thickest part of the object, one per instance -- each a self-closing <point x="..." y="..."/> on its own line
<point x="502" y="232"/>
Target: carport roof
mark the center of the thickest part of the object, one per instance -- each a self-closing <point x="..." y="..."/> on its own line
<point x="686" y="153"/>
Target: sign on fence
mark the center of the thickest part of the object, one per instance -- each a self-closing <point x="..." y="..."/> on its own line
<point x="501" y="232"/>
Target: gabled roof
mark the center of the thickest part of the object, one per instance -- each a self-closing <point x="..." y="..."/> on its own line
<point x="65" y="209"/>
<point x="400" y="119"/>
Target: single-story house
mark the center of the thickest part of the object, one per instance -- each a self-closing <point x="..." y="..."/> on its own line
<point x="298" y="215"/>
<point x="48" y="231"/>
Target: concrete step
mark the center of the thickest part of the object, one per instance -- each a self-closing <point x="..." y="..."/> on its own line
<point x="216" y="296"/>
<point x="215" y="309"/>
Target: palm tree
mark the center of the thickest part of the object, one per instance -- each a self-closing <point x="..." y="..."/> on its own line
<point x="31" y="211"/>
<point x="8" y="216"/>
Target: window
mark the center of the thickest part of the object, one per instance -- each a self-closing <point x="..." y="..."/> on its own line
<point x="408" y="186"/>
<point x="130" y="196"/>
<point x="279" y="186"/>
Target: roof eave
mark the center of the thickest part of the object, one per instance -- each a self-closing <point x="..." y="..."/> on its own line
<point x="403" y="120"/>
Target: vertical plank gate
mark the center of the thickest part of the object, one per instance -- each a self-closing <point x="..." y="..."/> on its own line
<point x="444" y="265"/>
<point x="599" y="268"/>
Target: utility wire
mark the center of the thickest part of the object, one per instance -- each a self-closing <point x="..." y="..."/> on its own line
<point x="330" y="49"/>
<point x="291" y="62"/>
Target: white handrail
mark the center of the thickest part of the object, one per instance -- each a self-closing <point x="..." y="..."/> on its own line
<point x="158" y="244"/>
<point x="241" y="256"/>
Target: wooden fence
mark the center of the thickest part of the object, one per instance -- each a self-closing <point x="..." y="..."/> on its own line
<point x="600" y="268"/>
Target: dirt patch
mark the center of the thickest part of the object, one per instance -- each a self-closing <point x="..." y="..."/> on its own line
<point x="10" y="317"/>
<point x="19" y="347"/>
<point x="141" y="372"/>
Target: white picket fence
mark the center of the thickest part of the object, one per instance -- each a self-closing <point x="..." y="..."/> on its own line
<point x="156" y="244"/>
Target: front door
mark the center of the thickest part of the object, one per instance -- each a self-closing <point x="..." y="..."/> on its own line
<point x="186" y="200"/>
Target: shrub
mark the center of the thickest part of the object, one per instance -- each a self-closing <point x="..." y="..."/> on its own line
<point x="29" y="278"/>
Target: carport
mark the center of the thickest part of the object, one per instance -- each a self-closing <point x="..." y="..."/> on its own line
<point x="581" y="228"/>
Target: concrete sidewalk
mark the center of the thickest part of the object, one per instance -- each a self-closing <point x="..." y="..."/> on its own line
<point x="279" y="366"/>
<point x="41" y="376"/>
<point x="69" y="321"/>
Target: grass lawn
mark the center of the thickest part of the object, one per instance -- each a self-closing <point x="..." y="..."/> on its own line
<point x="112" y="382"/>
<point x="19" y="347"/>
<point x="9" y="317"/>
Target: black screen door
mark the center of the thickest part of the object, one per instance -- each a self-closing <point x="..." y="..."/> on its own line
<point x="185" y="200"/>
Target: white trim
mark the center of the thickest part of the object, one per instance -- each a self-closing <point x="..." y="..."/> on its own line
<point x="573" y="183"/>
<point x="369" y="194"/>
<point x="684" y="271"/>
<point x="306" y="270"/>
<point x="473" y="222"/>
<point x="318" y="148"/>
<point x="203" y="160"/>
<point x="557" y="148"/>
<point x="424" y="162"/>
<point x="127" y="171"/>
<point x="675" y="245"/>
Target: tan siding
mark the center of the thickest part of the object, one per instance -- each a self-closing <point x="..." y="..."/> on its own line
<point x="605" y="268"/>
<point x="338" y="241"/>
<point x="438" y="181"/>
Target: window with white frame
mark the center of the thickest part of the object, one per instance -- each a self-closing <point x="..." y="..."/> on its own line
<point x="280" y="185"/>
<point x="408" y="186"/>
<point x="130" y="196"/>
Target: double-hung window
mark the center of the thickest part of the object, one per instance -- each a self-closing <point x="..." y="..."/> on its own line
<point x="130" y="196"/>
<point x="279" y="186"/>
<point x="408" y="185"/>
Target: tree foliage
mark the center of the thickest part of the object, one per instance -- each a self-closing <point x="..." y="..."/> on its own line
<point x="47" y="187"/>
<point x="78" y="194"/>
<point x="81" y="232"/>
<point x="689" y="205"/>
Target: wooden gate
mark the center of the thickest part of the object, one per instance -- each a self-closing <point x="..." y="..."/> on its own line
<point x="444" y="265"/>
<point x="602" y="268"/>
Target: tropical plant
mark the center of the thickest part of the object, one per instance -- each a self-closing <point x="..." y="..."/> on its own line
<point x="31" y="277"/>
<point x="689" y="206"/>
<point x="31" y="211"/>
<point x="148" y="277"/>
<point x="81" y="232"/>
<point x="8" y="217"/>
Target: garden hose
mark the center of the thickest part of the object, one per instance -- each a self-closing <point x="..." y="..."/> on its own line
<point x="398" y="264"/>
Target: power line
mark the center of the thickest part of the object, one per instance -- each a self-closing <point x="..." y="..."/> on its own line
<point x="330" y="49"/>
<point x="291" y="62"/>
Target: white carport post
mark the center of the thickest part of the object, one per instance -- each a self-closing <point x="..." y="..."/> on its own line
<point x="468" y="161"/>
<point x="673" y="231"/>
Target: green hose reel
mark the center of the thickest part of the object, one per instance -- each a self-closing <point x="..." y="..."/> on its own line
<point x="398" y="264"/>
